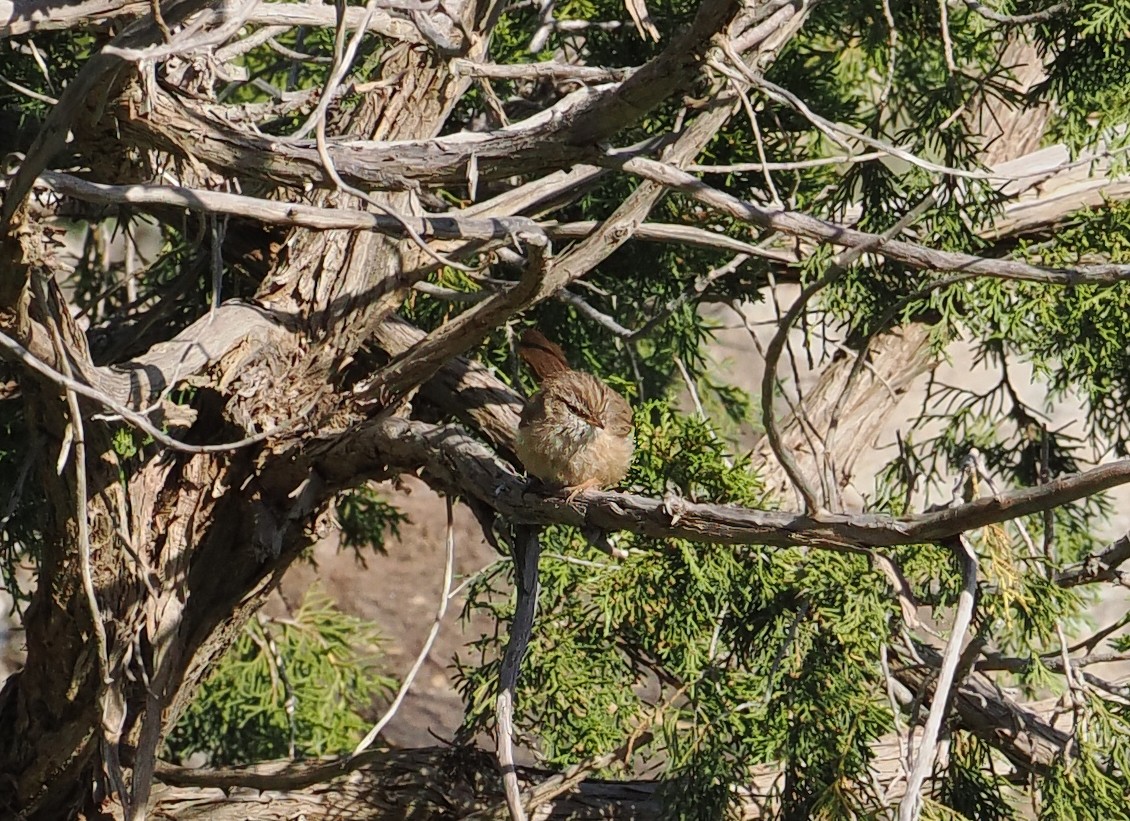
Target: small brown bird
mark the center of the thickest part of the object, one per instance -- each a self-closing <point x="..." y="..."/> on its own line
<point x="575" y="432"/>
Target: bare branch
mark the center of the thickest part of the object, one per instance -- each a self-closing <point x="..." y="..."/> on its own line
<point x="23" y="16"/>
<point x="917" y="256"/>
<point x="421" y="657"/>
<point x="458" y="463"/>
<point x="1104" y="567"/>
<point x="540" y="71"/>
<point x="911" y="807"/>
<point x="527" y="548"/>
<point x="291" y="214"/>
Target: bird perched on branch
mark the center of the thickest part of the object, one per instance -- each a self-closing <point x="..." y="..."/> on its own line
<point x="575" y="432"/>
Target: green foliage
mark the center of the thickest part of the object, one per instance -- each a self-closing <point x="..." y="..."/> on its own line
<point x="286" y="687"/>
<point x="970" y="788"/>
<point x="367" y="519"/>
<point x="1084" y="791"/>
<point x="747" y="646"/>
<point x="42" y="65"/>
<point x="1089" y="76"/>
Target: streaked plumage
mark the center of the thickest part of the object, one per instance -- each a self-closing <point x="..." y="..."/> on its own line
<point x="575" y="432"/>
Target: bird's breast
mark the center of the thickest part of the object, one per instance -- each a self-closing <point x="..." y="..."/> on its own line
<point x="569" y="451"/>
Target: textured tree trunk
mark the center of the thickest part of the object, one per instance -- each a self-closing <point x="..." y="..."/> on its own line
<point x="183" y="547"/>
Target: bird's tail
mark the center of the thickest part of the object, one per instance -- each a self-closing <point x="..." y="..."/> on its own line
<point x="544" y="357"/>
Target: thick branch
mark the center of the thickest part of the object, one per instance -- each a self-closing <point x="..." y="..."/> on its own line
<point x="205" y="342"/>
<point x="458" y="463"/>
<point x="21" y="16"/>
<point x="560" y="136"/>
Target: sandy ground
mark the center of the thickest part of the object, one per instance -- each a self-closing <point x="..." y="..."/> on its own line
<point x="401" y="593"/>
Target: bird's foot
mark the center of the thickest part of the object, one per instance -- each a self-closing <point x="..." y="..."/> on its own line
<point x="577" y="490"/>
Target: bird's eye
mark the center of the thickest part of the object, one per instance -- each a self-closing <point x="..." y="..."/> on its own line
<point x="583" y="412"/>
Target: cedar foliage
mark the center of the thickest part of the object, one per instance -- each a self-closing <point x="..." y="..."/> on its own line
<point x="731" y="659"/>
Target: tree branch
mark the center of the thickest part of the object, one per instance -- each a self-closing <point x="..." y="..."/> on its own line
<point x="291" y="214"/>
<point x="559" y="136"/>
<point x="911" y="807"/>
<point x="526" y="547"/>
<point x="1104" y="567"/>
<point x="917" y="256"/>
<point x="458" y="463"/>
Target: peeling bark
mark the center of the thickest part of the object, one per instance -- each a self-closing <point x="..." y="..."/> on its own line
<point x="184" y="546"/>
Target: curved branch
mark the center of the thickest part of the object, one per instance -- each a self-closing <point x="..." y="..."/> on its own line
<point x="560" y="136"/>
<point x="917" y="256"/>
<point x="458" y="463"/>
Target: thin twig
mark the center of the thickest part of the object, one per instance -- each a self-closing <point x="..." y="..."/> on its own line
<point x="892" y="53"/>
<point x="947" y="41"/>
<point x="911" y="807"/>
<point x="278" y="665"/>
<point x="584" y="308"/>
<point x="740" y="88"/>
<point x="343" y="61"/>
<point x="837" y="133"/>
<point x="896" y="714"/>
<point x="795" y="165"/>
<point x="27" y="92"/>
<point x="692" y="391"/>
<point x="76" y="443"/>
<point x="695" y="288"/>
<point x="441" y="611"/>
